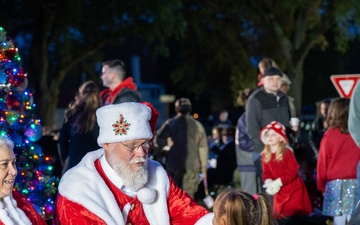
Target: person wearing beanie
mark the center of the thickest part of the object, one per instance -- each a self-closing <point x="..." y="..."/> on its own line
<point x="267" y="104"/>
<point x="119" y="184"/>
<point x="280" y="175"/>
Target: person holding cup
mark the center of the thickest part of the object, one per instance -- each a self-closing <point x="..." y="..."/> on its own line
<point x="267" y="104"/>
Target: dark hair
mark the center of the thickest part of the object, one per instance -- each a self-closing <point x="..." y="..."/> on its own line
<point x="228" y="131"/>
<point x="326" y="101"/>
<point x="82" y="110"/>
<point x="114" y="63"/>
<point x="117" y="65"/>
<point x="183" y="105"/>
<point x="266" y="62"/>
<point x="244" y="95"/>
<point x="338" y="114"/>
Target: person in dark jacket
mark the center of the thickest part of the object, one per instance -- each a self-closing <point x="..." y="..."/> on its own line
<point x="265" y="105"/>
<point x="318" y="128"/>
<point x="188" y="154"/>
<point x="223" y="172"/>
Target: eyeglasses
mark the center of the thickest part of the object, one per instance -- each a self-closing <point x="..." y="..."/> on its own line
<point x="145" y="146"/>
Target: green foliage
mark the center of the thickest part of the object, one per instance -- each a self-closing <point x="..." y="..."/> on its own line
<point x="212" y="40"/>
<point x="212" y="55"/>
<point x="67" y="36"/>
<point x="19" y="122"/>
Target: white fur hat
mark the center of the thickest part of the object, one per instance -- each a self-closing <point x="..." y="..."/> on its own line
<point x="123" y="122"/>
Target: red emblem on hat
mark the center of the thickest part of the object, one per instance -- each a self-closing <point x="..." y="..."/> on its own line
<point x="121" y="126"/>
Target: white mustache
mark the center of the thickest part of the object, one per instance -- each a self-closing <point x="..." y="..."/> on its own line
<point x="138" y="160"/>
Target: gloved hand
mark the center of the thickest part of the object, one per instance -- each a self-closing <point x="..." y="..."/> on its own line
<point x="267" y="182"/>
<point x="275" y="186"/>
<point x="270" y="191"/>
<point x="267" y="187"/>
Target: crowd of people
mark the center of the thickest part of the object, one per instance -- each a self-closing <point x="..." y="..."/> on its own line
<point x="118" y="168"/>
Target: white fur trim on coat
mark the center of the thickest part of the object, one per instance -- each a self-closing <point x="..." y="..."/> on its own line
<point x="10" y="214"/>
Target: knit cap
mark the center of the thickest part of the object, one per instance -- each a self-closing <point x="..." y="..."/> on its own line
<point x="277" y="127"/>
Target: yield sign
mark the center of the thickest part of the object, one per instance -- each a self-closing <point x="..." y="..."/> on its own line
<point x="345" y="83"/>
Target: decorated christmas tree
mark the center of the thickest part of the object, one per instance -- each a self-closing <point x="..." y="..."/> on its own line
<point x="19" y="122"/>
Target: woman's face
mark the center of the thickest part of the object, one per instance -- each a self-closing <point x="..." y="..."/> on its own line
<point x="215" y="134"/>
<point x="8" y="171"/>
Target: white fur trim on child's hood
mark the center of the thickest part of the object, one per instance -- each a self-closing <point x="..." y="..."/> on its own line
<point x="123" y="122"/>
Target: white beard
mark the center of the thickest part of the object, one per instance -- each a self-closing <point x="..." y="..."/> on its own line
<point x="131" y="179"/>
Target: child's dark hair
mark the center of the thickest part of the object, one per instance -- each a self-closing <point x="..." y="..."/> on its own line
<point x="82" y="110"/>
<point x="242" y="208"/>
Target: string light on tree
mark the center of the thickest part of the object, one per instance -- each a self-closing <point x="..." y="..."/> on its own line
<point x="19" y="122"/>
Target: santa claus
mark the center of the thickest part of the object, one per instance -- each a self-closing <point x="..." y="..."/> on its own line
<point x="118" y="184"/>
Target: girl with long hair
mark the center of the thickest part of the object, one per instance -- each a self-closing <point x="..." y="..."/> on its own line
<point x="280" y="175"/>
<point x="337" y="162"/>
<point x="236" y="207"/>
<point x="79" y="132"/>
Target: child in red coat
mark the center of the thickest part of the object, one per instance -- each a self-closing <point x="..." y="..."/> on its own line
<point x="336" y="166"/>
<point x="280" y="174"/>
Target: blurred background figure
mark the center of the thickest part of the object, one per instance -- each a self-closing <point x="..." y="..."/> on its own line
<point x="188" y="154"/>
<point x="79" y="132"/>
<point x="264" y="64"/>
<point x="285" y="87"/>
<point x="245" y="155"/>
<point x="318" y="127"/>
<point x="337" y="162"/>
<point x="223" y="121"/>
<point x="354" y="129"/>
<point x="220" y="174"/>
<point x="119" y="89"/>
<point x="215" y="141"/>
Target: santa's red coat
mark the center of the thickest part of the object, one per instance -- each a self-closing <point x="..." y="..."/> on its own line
<point x="87" y="196"/>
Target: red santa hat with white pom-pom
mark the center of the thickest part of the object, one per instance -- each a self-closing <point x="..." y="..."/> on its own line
<point x="278" y="128"/>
